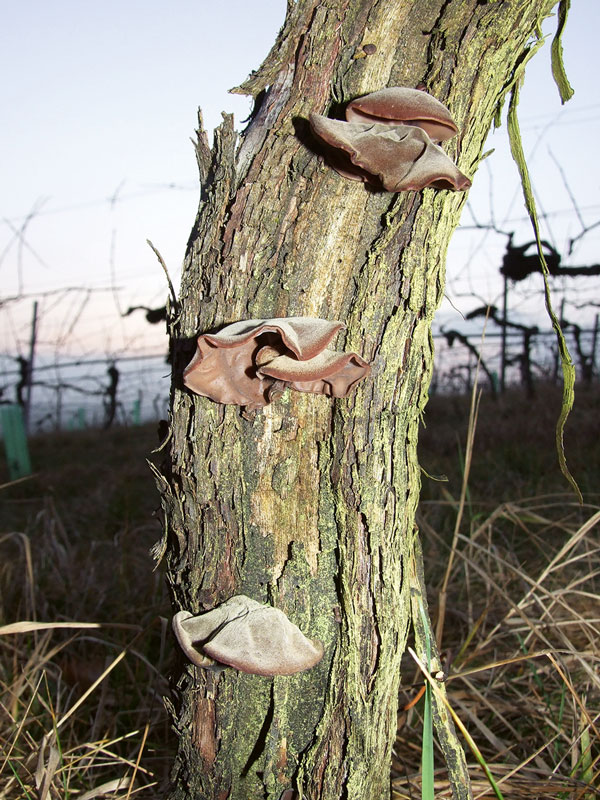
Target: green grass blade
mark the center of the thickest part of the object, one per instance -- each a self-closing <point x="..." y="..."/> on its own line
<point x="427" y="749"/>
<point x="458" y="722"/>
<point x="558" y="68"/>
<point x="568" y="369"/>
<point x="20" y="782"/>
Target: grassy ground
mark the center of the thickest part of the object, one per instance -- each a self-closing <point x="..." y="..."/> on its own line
<point x="512" y="566"/>
<point x="74" y="545"/>
<point x="511" y="572"/>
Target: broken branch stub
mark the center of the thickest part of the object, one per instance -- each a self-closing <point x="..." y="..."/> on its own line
<point x="248" y="636"/>
<point x="247" y="362"/>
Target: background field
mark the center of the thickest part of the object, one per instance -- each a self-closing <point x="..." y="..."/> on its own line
<point x="74" y="542"/>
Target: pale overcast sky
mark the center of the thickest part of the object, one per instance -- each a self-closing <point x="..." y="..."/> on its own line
<point x="99" y="102"/>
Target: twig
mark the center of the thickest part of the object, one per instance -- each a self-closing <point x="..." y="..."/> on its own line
<point x="164" y="266"/>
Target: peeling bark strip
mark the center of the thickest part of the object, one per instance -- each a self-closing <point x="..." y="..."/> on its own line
<point x="309" y="506"/>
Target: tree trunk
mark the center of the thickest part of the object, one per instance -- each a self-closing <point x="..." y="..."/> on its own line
<point x="309" y="505"/>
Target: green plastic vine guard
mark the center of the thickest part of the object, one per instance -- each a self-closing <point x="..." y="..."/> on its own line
<point x="136" y="412"/>
<point x="15" y="442"/>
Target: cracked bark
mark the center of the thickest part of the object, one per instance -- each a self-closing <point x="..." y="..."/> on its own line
<point x="310" y="504"/>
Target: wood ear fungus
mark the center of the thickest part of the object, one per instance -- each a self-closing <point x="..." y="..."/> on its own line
<point x="248" y="362"/>
<point x="389" y="141"/>
<point x="395" y="159"/>
<point x="248" y="636"/>
<point x="400" y="105"/>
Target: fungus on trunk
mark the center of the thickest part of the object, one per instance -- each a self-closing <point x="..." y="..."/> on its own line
<point x="399" y="105"/>
<point x="247" y="363"/>
<point x="248" y="636"/>
<point x="395" y="158"/>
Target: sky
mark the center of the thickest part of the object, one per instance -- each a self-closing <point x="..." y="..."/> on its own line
<point x="96" y="157"/>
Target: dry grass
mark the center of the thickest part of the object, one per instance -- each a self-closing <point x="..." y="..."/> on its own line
<point x="522" y="648"/>
<point x="519" y="608"/>
<point x="81" y="713"/>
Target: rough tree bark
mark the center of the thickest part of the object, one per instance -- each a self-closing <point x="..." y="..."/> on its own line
<point x="309" y="505"/>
